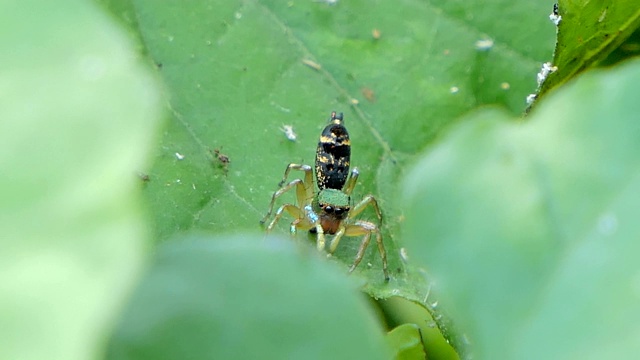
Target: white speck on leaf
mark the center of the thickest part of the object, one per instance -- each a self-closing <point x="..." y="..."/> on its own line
<point x="603" y="15"/>
<point x="179" y="156"/>
<point x="546" y="69"/>
<point x="289" y="133"/>
<point x="484" y="44"/>
<point x="403" y="254"/>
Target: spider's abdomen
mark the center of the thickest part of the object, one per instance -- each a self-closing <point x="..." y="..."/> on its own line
<point x="333" y="155"/>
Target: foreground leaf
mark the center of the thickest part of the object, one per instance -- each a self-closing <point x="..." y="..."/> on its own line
<point x="531" y="229"/>
<point x="242" y="298"/>
<point x="77" y="115"/>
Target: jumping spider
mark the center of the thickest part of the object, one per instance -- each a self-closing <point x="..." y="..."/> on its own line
<point x="329" y="210"/>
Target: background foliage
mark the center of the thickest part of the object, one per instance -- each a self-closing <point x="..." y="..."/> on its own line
<point x="509" y="236"/>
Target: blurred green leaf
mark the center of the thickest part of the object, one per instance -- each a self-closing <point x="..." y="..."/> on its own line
<point x="398" y="311"/>
<point x="406" y="341"/>
<point x="531" y="229"/>
<point x="587" y="34"/>
<point x="77" y="117"/>
<point x="245" y="298"/>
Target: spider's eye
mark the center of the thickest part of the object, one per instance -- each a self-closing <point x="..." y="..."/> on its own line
<point x="339" y="211"/>
<point x="328" y="209"/>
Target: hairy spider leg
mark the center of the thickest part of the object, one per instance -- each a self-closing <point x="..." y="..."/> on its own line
<point x="302" y="220"/>
<point x="321" y="240"/>
<point x="304" y="217"/>
<point x="351" y="183"/>
<point x="366" y="201"/>
<point x="357" y="209"/>
<point x="304" y="189"/>
<point x="299" y="222"/>
<point x="308" y="176"/>
<point x="362" y="228"/>
<point x="299" y="190"/>
<point x="365" y="228"/>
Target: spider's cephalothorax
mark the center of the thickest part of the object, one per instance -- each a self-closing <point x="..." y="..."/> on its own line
<point x="333" y="207"/>
<point x="329" y="210"/>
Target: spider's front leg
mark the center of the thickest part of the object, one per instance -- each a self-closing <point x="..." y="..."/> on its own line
<point x="292" y="210"/>
<point x="368" y="200"/>
<point x="362" y="228"/>
<point x="367" y="228"/>
<point x="304" y="189"/>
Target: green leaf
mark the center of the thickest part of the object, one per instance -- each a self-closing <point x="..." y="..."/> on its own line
<point x="407" y="342"/>
<point x="77" y="117"/>
<point x="399" y="311"/>
<point x="588" y="33"/>
<point x="531" y="229"/>
<point x="245" y="298"/>
<point x="629" y="49"/>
